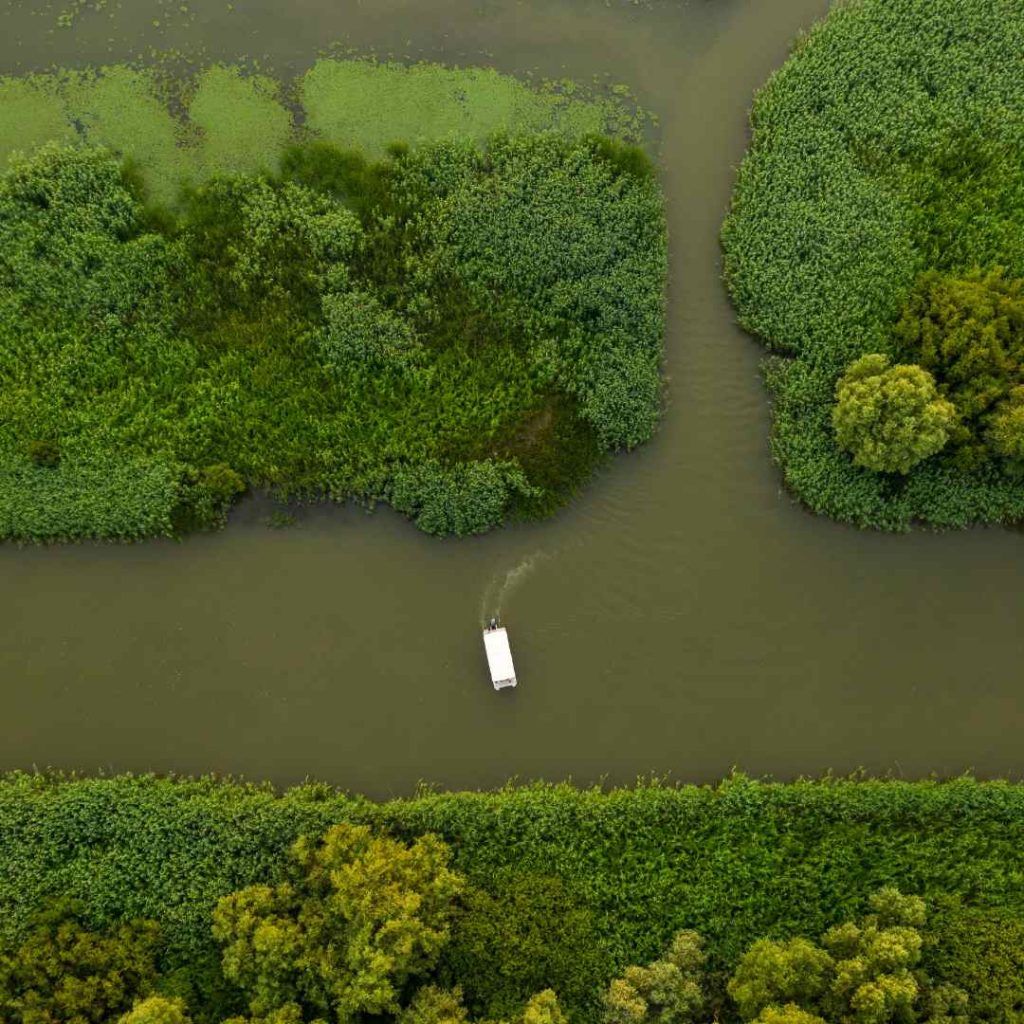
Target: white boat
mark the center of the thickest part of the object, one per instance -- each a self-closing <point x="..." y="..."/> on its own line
<point x="499" y="656"/>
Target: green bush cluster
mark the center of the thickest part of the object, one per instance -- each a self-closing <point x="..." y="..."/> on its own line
<point x="464" y="333"/>
<point x="564" y="888"/>
<point x="880" y="210"/>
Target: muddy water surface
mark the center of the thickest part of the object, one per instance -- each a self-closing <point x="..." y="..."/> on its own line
<point x="683" y="616"/>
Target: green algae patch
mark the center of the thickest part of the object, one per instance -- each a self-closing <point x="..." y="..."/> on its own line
<point x="358" y="104"/>
<point x="242" y="124"/>
<point x="31" y="113"/>
<point x="122" y="109"/>
<point x="229" y="120"/>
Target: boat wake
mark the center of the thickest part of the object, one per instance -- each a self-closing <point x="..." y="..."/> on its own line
<point x="500" y="588"/>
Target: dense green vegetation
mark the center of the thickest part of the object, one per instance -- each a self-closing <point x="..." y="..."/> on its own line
<point x="463" y="331"/>
<point x="880" y="212"/>
<point x="746" y="901"/>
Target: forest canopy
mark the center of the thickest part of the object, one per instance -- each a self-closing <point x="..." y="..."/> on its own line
<point x="464" y="330"/>
<point x="880" y="213"/>
<point x="838" y="901"/>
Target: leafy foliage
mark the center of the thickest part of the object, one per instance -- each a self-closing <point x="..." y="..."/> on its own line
<point x="432" y="1005"/>
<point x="348" y="329"/>
<point x="873" y="982"/>
<point x="867" y="976"/>
<point x="969" y="333"/>
<point x="65" y="974"/>
<point x="890" y="417"/>
<point x="157" y="1010"/>
<point x="523" y="932"/>
<point x="667" y="991"/>
<point x="363" y="916"/>
<point x="543" y="1008"/>
<point x="788" y="1014"/>
<point x="886" y="166"/>
<point x="774" y="973"/>
<point x="983" y="950"/>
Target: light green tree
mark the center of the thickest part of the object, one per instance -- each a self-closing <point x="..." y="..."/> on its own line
<point x="867" y="973"/>
<point x="874" y="961"/>
<point x="668" y="991"/>
<point x="1006" y="428"/>
<point x="433" y="1005"/>
<point x="788" y="1014"/>
<point x="890" y="417"/>
<point x="157" y="1010"/>
<point x="775" y="973"/>
<point x="543" y="1008"/>
<point x="362" y="917"/>
<point x="289" y="1013"/>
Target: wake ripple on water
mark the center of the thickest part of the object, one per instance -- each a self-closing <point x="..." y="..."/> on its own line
<point x="500" y="588"/>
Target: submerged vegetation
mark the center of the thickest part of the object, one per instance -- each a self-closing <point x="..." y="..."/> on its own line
<point x="877" y="225"/>
<point x="463" y="329"/>
<point x="843" y="902"/>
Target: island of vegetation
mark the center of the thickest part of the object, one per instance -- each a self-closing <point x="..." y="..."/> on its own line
<point x="442" y="290"/>
<point x="876" y="244"/>
<point x="152" y="901"/>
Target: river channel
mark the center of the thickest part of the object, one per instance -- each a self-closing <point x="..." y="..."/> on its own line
<point x="682" y="617"/>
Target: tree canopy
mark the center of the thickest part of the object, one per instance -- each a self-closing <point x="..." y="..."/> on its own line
<point x="890" y="417"/>
<point x="361" y="917"/>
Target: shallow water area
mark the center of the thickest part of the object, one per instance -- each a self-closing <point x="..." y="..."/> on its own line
<point x="682" y="616"/>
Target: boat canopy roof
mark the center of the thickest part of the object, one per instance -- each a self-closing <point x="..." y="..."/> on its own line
<point x="499" y="657"/>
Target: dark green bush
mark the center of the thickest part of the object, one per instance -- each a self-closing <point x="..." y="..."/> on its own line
<point x="44" y="453"/>
<point x="522" y="932"/>
<point x="359" y="329"/>
<point x="969" y="333"/>
<point x="891" y="144"/>
<point x="980" y="949"/>
<point x="461" y="499"/>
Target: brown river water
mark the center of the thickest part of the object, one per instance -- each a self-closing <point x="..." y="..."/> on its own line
<point x="682" y="617"/>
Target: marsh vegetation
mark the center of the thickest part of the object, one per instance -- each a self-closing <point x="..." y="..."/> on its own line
<point x="879" y="214"/>
<point x="462" y="328"/>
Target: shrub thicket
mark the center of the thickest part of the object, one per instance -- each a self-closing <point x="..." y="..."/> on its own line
<point x="630" y="869"/>
<point x="465" y="333"/>
<point x="886" y="167"/>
